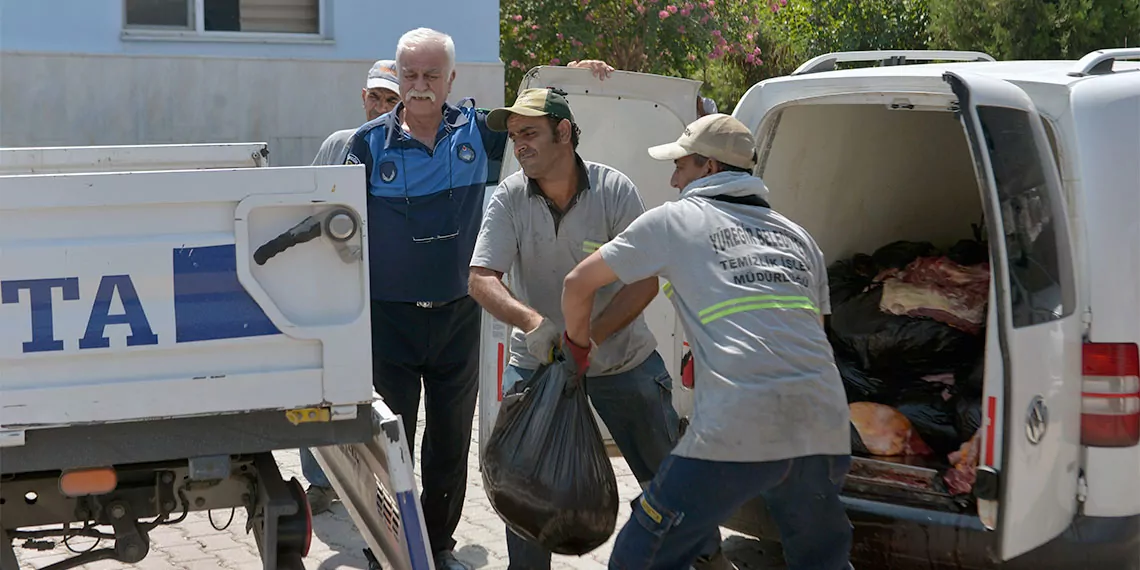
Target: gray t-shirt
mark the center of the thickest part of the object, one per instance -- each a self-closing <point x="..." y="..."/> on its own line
<point x="334" y="149"/>
<point x="749" y="287"/>
<point x="525" y="237"/>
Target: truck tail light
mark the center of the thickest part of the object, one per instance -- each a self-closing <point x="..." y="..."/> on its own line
<point x="1110" y="395"/>
<point x="83" y="482"/>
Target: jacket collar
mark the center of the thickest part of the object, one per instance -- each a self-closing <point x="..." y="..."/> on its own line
<point x="453" y="118"/>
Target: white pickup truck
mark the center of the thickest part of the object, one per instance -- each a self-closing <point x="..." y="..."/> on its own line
<point x="169" y="316"/>
<point x="1044" y="156"/>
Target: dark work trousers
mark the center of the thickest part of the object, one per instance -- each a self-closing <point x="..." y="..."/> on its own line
<point x="441" y="346"/>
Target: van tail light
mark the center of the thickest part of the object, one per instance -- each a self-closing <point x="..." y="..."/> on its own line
<point x="1110" y="395"/>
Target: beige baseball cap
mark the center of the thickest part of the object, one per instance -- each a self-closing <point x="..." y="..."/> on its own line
<point x="716" y="136"/>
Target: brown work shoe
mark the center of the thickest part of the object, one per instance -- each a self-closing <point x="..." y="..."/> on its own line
<point x="320" y="498"/>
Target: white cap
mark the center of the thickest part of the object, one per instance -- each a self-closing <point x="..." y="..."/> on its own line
<point x="383" y="75"/>
<point x="716" y="136"/>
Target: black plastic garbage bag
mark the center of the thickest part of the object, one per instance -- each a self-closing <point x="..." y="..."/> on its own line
<point x="545" y="468"/>
<point x="931" y="409"/>
<point x="969" y="252"/>
<point x="897" y="347"/>
<point x="900" y="254"/>
<point x="968" y="418"/>
<point x="849" y="277"/>
<point x="857" y="445"/>
<point x="970" y="378"/>
<point x="862" y="387"/>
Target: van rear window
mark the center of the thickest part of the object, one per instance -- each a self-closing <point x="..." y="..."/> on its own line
<point x="1040" y="278"/>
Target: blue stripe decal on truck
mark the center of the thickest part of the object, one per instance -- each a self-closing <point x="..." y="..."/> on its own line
<point x="209" y="301"/>
<point x="410" y="521"/>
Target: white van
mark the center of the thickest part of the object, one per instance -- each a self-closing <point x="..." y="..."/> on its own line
<point x="1047" y="153"/>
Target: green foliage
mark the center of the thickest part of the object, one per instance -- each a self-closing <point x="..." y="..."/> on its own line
<point x="667" y="37"/>
<point x="733" y="44"/>
<point x="816" y="27"/>
<point x="1034" y="29"/>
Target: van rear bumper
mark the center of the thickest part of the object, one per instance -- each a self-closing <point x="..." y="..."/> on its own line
<point x="891" y="536"/>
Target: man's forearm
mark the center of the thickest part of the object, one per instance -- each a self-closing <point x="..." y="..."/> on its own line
<point x="577" y="304"/>
<point x="629" y="302"/>
<point x="488" y="290"/>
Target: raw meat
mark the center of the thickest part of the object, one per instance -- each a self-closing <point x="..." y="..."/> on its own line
<point x="884" y="431"/>
<point x="938" y="288"/>
<point x="946" y="378"/>
<point x="960" y="478"/>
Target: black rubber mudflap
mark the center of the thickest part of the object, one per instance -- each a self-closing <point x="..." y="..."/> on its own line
<point x="7" y="555"/>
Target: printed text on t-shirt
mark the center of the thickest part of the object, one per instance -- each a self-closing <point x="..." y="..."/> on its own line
<point x="785" y="266"/>
<point x="728" y="237"/>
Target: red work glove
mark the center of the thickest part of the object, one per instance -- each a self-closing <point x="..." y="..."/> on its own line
<point x="580" y="355"/>
<point x="687" y="379"/>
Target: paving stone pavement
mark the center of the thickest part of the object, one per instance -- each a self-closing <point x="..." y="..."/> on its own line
<point x="196" y="545"/>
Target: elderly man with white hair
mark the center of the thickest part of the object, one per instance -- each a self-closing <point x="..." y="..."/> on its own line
<point x="427" y="163"/>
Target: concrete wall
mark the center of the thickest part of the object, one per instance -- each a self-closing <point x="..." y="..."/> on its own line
<point x="70" y="100"/>
<point x="354" y="30"/>
<point x="69" y="75"/>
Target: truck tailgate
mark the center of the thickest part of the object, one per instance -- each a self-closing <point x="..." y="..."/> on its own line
<point x="132" y="296"/>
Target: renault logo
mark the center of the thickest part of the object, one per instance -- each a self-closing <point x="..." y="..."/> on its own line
<point x="1036" y="420"/>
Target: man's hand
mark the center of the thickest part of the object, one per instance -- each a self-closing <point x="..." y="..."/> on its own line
<point x="540" y="341"/>
<point x="599" y="68"/>
<point x="579" y="354"/>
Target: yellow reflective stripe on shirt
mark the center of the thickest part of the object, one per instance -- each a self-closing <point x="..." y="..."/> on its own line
<point x="590" y="246"/>
<point x="755" y="303"/>
<point x="667" y="288"/>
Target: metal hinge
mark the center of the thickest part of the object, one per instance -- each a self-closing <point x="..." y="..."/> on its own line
<point x="1082" y="488"/>
<point x="308" y="415"/>
<point x="1086" y="321"/>
<point x="320" y="414"/>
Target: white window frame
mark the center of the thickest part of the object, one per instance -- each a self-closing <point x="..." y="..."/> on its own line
<point x="197" y="31"/>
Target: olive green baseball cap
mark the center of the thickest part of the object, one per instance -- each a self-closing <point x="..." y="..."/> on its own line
<point x="532" y="103"/>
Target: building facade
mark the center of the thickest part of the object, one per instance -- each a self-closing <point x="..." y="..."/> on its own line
<point x="284" y="72"/>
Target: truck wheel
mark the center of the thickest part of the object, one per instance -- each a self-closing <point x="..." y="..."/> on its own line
<point x="295" y="532"/>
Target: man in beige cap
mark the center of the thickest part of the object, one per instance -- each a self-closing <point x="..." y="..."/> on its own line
<point x="771" y="418"/>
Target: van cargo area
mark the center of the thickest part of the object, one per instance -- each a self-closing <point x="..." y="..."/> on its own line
<point x="891" y="196"/>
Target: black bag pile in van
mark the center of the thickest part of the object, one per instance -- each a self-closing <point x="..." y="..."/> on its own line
<point x="545" y="468"/>
<point x="908" y="330"/>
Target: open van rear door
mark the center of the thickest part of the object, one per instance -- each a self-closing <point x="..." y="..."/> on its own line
<point x="620" y="118"/>
<point x="1030" y="448"/>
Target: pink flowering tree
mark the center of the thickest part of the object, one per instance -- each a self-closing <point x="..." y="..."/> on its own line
<point x="668" y="37"/>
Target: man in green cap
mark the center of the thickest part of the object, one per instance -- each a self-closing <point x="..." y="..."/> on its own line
<point x="542" y="222"/>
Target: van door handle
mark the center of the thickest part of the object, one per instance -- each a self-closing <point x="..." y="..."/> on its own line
<point x="339" y="224"/>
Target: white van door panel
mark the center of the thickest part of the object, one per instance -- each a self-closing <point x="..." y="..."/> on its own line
<point x="620" y="118"/>
<point x="1031" y="412"/>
